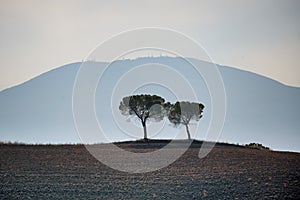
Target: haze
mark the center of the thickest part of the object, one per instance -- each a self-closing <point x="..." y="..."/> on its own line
<point x="258" y="36"/>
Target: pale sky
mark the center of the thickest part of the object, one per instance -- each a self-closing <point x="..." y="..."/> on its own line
<point x="261" y="36"/>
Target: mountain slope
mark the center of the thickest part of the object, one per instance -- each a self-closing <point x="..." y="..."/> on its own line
<point x="258" y="109"/>
<point x="40" y="109"/>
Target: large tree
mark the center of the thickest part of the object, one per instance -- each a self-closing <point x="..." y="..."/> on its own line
<point x="181" y="113"/>
<point x="144" y="107"/>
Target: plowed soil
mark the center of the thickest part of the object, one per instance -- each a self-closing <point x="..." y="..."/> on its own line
<point x="70" y="172"/>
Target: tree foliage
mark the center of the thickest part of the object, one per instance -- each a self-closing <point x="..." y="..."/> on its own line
<point x="144" y="107"/>
<point x="181" y="113"/>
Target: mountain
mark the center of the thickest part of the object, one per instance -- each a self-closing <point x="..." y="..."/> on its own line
<point x="259" y="109"/>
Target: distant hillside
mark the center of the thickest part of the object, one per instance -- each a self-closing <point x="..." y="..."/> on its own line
<point x="259" y="109"/>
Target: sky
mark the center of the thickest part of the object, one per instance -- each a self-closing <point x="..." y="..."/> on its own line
<point x="258" y="36"/>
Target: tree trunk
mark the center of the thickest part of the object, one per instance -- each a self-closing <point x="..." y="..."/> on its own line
<point x="187" y="131"/>
<point x="145" y="131"/>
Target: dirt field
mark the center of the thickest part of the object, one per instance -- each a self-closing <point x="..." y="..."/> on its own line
<point x="69" y="171"/>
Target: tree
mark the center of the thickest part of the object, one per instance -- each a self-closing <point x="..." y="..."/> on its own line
<point x="181" y="113"/>
<point x="144" y="107"/>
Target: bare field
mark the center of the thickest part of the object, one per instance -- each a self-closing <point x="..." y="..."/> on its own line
<point x="69" y="171"/>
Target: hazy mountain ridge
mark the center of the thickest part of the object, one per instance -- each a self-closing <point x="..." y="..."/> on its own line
<point x="259" y="109"/>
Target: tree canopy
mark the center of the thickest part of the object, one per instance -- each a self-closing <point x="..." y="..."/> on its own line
<point x="152" y="107"/>
<point x="144" y="107"/>
<point x="183" y="112"/>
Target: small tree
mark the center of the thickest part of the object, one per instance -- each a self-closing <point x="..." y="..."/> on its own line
<point x="144" y="107"/>
<point x="181" y="113"/>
